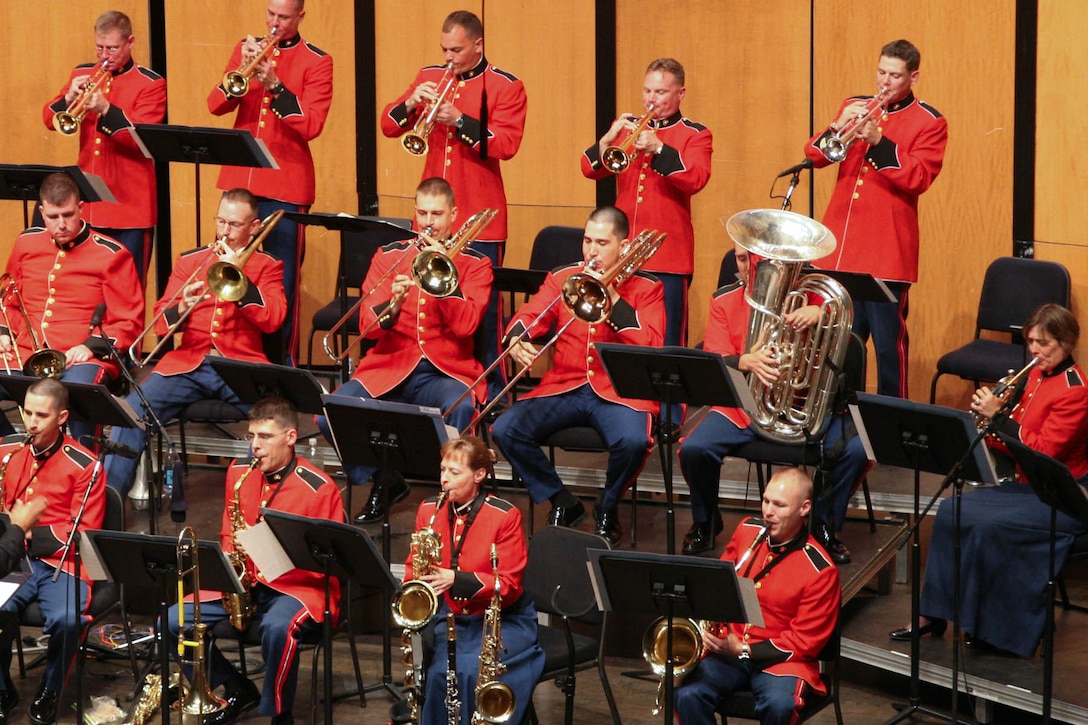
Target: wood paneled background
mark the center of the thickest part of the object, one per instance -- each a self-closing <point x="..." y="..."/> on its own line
<point x="749" y="79"/>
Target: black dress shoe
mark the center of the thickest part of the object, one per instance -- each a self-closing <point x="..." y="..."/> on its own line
<point x="374" y="510"/>
<point x="43" y="710"/>
<point x="701" y="535"/>
<point x="834" y="548"/>
<point x="608" y="525"/>
<point x="284" y="718"/>
<point x="243" y="697"/>
<point x="839" y="553"/>
<point x="9" y="698"/>
<point x="567" y="515"/>
<point x="936" y="627"/>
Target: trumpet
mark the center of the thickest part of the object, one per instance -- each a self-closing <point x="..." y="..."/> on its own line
<point x="433" y="271"/>
<point x="1004" y="389"/>
<point x="225" y="280"/>
<point x="236" y="82"/>
<point x="415" y="141"/>
<point x="44" y="362"/>
<point x="835" y="146"/>
<point x="585" y="295"/>
<point x="69" y="120"/>
<point x="618" y="157"/>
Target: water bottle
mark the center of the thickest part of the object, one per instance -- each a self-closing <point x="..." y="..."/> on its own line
<point x="168" y="478"/>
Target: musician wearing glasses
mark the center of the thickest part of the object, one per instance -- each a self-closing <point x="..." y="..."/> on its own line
<point x="576" y="390"/>
<point x="126" y="95"/>
<point x="290" y="607"/>
<point x="476" y="126"/>
<point x="211" y="327"/>
<point x="46" y="463"/>
<point x="724" y="430"/>
<point x="798" y="590"/>
<point x="285" y="105"/>
<point x="1005" y="529"/>
<point x="469" y="523"/>
<point x="63" y="272"/>
<point x="894" y="158"/>
<point x="668" y="162"/>
<point x="423" y="345"/>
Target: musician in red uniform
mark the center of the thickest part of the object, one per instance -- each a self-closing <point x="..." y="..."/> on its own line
<point x="130" y="95"/>
<point x="873" y="210"/>
<point x="669" y="164"/>
<point x="468" y="524"/>
<point x="286" y="105"/>
<point x="64" y="271"/>
<point x="576" y="390"/>
<point x="48" y="464"/>
<point x="475" y="129"/>
<point x="212" y="328"/>
<point x="798" y="591"/>
<point x="291" y="606"/>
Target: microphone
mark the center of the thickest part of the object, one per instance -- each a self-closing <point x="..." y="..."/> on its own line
<point x="796" y="168"/>
<point x="119" y="449"/>
<point x="96" y="318"/>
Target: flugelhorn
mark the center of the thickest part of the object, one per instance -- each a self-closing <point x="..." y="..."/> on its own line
<point x="585" y="295"/>
<point x="69" y="120"/>
<point x="236" y="82"/>
<point x="618" y="157"/>
<point x="433" y="271"/>
<point x="415" y="141"/>
<point x="197" y="699"/>
<point x="835" y="146"/>
<point x="1003" y="390"/>
<point x="44" y="362"/>
<point x="227" y="281"/>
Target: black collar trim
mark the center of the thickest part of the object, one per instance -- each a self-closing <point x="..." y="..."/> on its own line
<point x="78" y="239"/>
<point x="477" y="70"/>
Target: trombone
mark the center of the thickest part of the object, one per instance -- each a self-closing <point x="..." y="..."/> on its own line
<point x="44" y="362"/>
<point x="197" y="699"/>
<point x="226" y="280"/>
<point x="433" y="271"/>
<point x="236" y="82"/>
<point x="68" y="120"/>
<point x="585" y="295"/>
<point x="618" y="157"/>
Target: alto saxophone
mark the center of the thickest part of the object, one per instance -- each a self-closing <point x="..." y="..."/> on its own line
<point x="495" y="701"/>
<point x="240" y="606"/>
<point x="4" y="469"/>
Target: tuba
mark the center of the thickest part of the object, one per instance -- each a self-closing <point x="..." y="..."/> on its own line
<point x="415" y="141"/>
<point x="809" y="360"/>
<point x="240" y="606"/>
<point x="197" y="699"/>
<point x="687" y="650"/>
<point x="495" y="701"/>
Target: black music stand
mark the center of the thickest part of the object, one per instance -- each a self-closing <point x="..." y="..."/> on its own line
<point x="862" y="287"/>
<point x="142" y="561"/>
<point x="21" y="182"/>
<point x="671" y="586"/>
<point x="379" y="232"/>
<point x="937" y="440"/>
<point x="669" y="375"/>
<point x="198" y="145"/>
<point x="253" y="381"/>
<point x="1056" y="487"/>
<point x="332" y="549"/>
<point x="387" y="436"/>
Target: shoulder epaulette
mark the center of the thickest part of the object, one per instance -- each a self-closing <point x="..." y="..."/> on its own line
<point x="434" y="67"/>
<point x="819" y="561"/>
<point x="79" y="457"/>
<point x="107" y="243"/>
<point x="562" y="267"/>
<point x="12" y="438"/>
<point x="693" y="124"/>
<point x="1073" y="378"/>
<point x="314" y="49"/>
<point x="31" y="230"/>
<point x="148" y="73"/>
<point x="648" y="276"/>
<point x="313" y="479"/>
<point x="396" y="246"/>
<point x="499" y="503"/>
<point x="508" y="76"/>
<point x="81" y="66"/>
<point x="475" y="253"/>
<point x="193" y="251"/>
<point x="726" y="289"/>
<point x="933" y="111"/>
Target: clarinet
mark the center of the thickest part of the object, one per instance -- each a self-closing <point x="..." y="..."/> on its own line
<point x="453" y="696"/>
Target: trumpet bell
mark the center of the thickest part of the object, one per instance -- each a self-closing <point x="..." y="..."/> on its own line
<point x="615" y="159"/>
<point x="414" y="144"/>
<point x="66" y="123"/>
<point x="235" y="84"/>
<point x="415" y="605"/>
<point x="227" y="282"/>
<point x="495" y="702"/>
<point x="586" y="298"/>
<point x="782" y="235"/>
<point x="45" y="363"/>
<point x="833" y="149"/>
<point x="435" y="273"/>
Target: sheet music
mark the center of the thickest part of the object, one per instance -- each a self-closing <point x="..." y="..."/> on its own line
<point x="140" y="143"/>
<point x="264" y="549"/>
<point x="10" y="583"/>
<point x="598" y="592"/>
<point x="272" y="159"/>
<point x="748" y="598"/>
<point x="91" y="559"/>
<point x="862" y="433"/>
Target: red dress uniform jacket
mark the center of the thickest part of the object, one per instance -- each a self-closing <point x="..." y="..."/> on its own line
<point x="655" y="192"/>
<point x="286" y="124"/>
<point x="301" y="489"/>
<point x="637" y="319"/>
<point x="1052" y="416"/>
<point x="498" y="522"/>
<point x="454" y="153"/>
<point x="61" y="474"/>
<point x="873" y="211"/>
<point x="61" y="287"/>
<point x="439" y="329"/>
<point x="727" y="335"/>
<point x="233" y="329"/>
<point x="800" y="602"/>
<point x="107" y="147"/>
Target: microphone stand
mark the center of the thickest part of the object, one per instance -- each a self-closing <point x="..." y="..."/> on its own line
<point x="154" y="427"/>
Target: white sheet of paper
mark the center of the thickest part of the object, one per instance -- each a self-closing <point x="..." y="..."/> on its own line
<point x="747" y="589"/>
<point x="10" y="583"/>
<point x="262" y="546"/>
<point x="862" y="433"/>
<point x="89" y="555"/>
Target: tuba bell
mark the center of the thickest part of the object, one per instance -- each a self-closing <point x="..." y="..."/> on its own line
<point x="809" y="360"/>
<point x="687" y="650"/>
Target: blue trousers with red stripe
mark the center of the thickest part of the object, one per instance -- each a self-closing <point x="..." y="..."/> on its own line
<point x="283" y="623"/>
<point x="778" y="698"/>
<point x="63" y="623"/>
<point x="887" y="323"/>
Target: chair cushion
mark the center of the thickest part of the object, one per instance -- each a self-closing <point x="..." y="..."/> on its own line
<point x="983" y="360"/>
<point x="554" y="643"/>
<point x="213" y="411"/>
<point x="761" y="451"/>
<point x="578" y="438"/>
